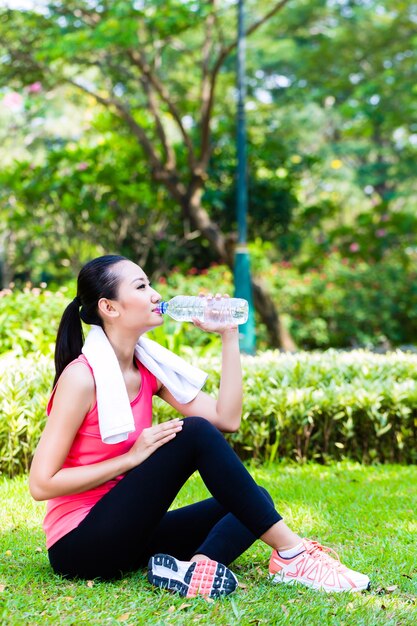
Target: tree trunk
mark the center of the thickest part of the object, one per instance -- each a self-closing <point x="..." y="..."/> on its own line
<point x="6" y="272"/>
<point x="279" y="337"/>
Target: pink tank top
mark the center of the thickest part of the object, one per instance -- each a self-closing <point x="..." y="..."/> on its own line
<point x="65" y="513"/>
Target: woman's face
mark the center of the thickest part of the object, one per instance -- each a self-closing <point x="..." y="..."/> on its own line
<point x="136" y="300"/>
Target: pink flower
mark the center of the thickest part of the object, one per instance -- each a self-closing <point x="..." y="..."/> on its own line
<point x="35" y="87"/>
<point x="13" y="101"/>
<point x="354" y="247"/>
<point x="385" y="217"/>
<point x="381" y="232"/>
<point x="82" y="166"/>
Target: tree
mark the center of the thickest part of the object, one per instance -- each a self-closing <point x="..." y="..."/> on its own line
<point x="353" y="66"/>
<point x="156" y="66"/>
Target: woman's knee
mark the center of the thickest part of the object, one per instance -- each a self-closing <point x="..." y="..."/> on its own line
<point x="199" y="430"/>
<point x="266" y="494"/>
<point x="199" y="424"/>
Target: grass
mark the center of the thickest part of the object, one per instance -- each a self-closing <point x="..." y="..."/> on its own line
<point x="366" y="513"/>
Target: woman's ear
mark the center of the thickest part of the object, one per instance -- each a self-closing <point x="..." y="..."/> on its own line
<point x="107" y="308"/>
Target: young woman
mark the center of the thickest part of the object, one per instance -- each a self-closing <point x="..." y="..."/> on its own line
<point x="108" y="504"/>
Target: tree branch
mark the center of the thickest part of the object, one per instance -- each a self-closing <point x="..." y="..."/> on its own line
<point x="166" y="146"/>
<point x="206" y="91"/>
<point x="224" y="53"/>
<point x="137" y="130"/>
<point x="139" y="60"/>
<point x="249" y="31"/>
<point x="160" y="173"/>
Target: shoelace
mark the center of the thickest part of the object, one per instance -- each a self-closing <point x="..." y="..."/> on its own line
<point x="323" y="553"/>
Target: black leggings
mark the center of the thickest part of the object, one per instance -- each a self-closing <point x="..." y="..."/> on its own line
<point x="132" y="522"/>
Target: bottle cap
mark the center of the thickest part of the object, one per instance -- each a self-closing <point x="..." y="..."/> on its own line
<point x="162" y="307"/>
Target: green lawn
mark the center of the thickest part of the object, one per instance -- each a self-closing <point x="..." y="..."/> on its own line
<point x="368" y="514"/>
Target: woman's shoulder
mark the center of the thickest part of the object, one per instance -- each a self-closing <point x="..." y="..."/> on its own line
<point x="75" y="382"/>
<point x="79" y="371"/>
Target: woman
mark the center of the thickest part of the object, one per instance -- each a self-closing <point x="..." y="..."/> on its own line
<point x="107" y="510"/>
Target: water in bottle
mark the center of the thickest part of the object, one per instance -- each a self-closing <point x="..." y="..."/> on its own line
<point x="223" y="310"/>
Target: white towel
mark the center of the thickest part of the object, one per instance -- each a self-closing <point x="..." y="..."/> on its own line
<point x="115" y="416"/>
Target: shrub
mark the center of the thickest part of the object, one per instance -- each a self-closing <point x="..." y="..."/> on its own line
<point x="29" y="319"/>
<point x="319" y="406"/>
<point x="347" y="303"/>
<point x="342" y="304"/>
<point x="24" y="387"/>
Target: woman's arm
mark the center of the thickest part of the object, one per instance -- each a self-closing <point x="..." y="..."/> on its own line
<point x="74" y="397"/>
<point x="224" y="412"/>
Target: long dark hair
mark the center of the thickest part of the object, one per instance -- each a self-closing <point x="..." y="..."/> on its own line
<point x="95" y="280"/>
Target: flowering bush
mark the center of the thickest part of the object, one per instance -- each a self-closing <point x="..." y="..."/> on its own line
<point x="343" y="304"/>
<point x="29" y="319"/>
<point x="348" y="303"/>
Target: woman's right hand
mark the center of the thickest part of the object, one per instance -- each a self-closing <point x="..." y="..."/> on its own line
<point x="153" y="438"/>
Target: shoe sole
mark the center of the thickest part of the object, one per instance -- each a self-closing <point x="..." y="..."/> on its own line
<point x="204" y="578"/>
<point x="281" y="578"/>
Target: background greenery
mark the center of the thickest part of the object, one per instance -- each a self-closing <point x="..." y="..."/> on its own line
<point x="309" y="406"/>
<point x="118" y="134"/>
<point x="325" y="405"/>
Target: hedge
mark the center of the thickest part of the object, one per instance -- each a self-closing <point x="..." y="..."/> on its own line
<point x="306" y="406"/>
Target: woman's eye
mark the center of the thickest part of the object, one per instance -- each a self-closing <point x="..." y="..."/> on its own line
<point x="142" y="286"/>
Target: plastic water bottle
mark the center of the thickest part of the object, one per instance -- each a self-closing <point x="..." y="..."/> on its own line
<point x="223" y="310"/>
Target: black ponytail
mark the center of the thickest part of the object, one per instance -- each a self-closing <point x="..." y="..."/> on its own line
<point x="95" y="280"/>
<point x="70" y="338"/>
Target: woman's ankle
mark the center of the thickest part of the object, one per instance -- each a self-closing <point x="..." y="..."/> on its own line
<point x="280" y="537"/>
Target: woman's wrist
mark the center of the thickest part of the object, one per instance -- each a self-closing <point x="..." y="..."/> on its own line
<point x="230" y="333"/>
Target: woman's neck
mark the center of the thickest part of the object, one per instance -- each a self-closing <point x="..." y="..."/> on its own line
<point x="123" y="344"/>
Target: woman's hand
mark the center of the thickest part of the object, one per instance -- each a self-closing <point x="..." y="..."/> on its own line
<point x="216" y="323"/>
<point x="153" y="438"/>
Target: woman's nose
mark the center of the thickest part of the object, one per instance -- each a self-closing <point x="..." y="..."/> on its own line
<point x="155" y="296"/>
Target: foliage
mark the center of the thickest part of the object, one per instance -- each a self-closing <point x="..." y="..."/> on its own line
<point x="330" y="117"/>
<point x="96" y="196"/>
<point x="306" y="406"/>
<point x="346" y="303"/>
<point x="365" y="513"/>
<point x="343" y="303"/>
<point x="24" y="387"/>
<point x="343" y="73"/>
<point x="326" y="405"/>
<point x="159" y="102"/>
<point x="29" y="319"/>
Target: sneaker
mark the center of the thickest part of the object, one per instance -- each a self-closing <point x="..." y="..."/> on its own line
<point x="315" y="568"/>
<point x="191" y="578"/>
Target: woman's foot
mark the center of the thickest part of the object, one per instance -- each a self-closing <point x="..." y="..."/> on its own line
<point x="191" y="578"/>
<point x="315" y="568"/>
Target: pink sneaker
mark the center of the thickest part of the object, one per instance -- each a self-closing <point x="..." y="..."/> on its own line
<point x="315" y="568"/>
